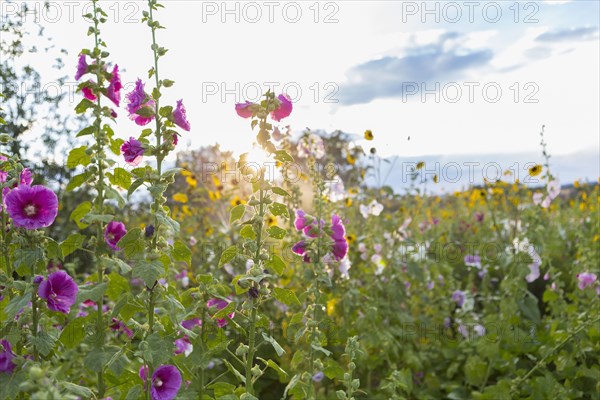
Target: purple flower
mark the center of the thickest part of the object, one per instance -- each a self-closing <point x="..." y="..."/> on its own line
<point x="586" y="279"/>
<point x="473" y="261"/>
<point x="82" y="67"/>
<point x="113" y="91"/>
<point x="479" y="216"/>
<point x="285" y="108"/>
<point x="299" y="248"/>
<point x="243" y="109"/>
<point x="340" y="249"/>
<point x="180" y="118"/>
<point x="59" y="291"/>
<point x="189" y="324"/>
<point x="38" y="279"/>
<point x="32" y="207"/>
<point x="220" y="304"/>
<point x="338" y="234"/>
<point x="534" y="272"/>
<point x="137" y="99"/>
<point x="26" y="177"/>
<point x="6" y="356"/>
<point x="133" y="152"/>
<point x="120" y="327"/>
<point x="184" y="346"/>
<point x="166" y="381"/>
<point x="318" y="377"/>
<point x="88" y="93"/>
<point x="479" y="330"/>
<point x="459" y="297"/>
<point x="113" y="233"/>
<point x="300" y="222"/>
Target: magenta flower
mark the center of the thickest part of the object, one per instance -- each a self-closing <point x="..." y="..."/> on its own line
<point x="32" y="207"/>
<point x="26" y="177"/>
<point x="459" y="297"/>
<point x="6" y="357"/>
<point x="300" y="223"/>
<point x="184" y="346"/>
<point x="180" y="118"/>
<point x="113" y="91"/>
<point x="479" y="216"/>
<point x="82" y="67"/>
<point x="285" y="108"/>
<point x="586" y="279"/>
<point x="137" y="99"/>
<point x="166" y="381"/>
<point x="338" y="234"/>
<point x="120" y="327"/>
<point x="189" y="324"/>
<point x="220" y="304"/>
<point x="243" y="109"/>
<point x="299" y="248"/>
<point x="113" y="233"/>
<point x="59" y="291"/>
<point x="133" y="151"/>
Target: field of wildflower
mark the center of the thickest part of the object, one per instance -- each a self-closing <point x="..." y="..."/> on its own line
<point x="224" y="278"/>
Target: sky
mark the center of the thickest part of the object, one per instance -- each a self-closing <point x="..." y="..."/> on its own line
<point x="459" y="78"/>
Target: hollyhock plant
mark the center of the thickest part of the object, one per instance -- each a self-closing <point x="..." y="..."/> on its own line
<point x="32" y="207"/>
<point x="133" y="152"/>
<point x="6" y="357"/>
<point x="59" y="291"/>
<point x="138" y="99"/>
<point x="220" y="304"/>
<point x="586" y="279"/>
<point x="338" y="235"/>
<point x="301" y="220"/>
<point x="284" y="109"/>
<point x="26" y="177"/>
<point x="166" y="381"/>
<point x="113" y="233"/>
<point x="82" y="67"/>
<point x="180" y="118"/>
<point x="113" y="91"/>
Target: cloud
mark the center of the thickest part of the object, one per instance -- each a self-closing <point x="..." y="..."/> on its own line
<point x="443" y="60"/>
<point x="572" y="34"/>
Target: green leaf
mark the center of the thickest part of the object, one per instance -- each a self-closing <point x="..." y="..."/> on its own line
<point x="278" y="209"/>
<point x="529" y="308"/>
<point x="234" y="371"/>
<point x="285" y="296"/>
<point x="228" y="255"/>
<point x="280" y="191"/>
<point x="145" y="112"/>
<point x="136" y="184"/>
<point x="224" y="312"/>
<point x="80" y="391"/>
<point x="333" y="370"/>
<point x="83" y="105"/>
<point x="148" y="271"/>
<point x="117" y="285"/>
<point x="236" y="213"/>
<point x="72" y="243"/>
<point x="135" y="393"/>
<point x="278" y="349"/>
<point x="87" y="131"/>
<point x="169" y="222"/>
<point x="120" y="177"/>
<point x="93" y="293"/>
<point x="78" y="156"/>
<point x="113" y="194"/>
<point x="73" y="333"/>
<point x="272" y="364"/>
<point x="91" y="218"/>
<point x="283" y="156"/>
<point x="182" y="253"/>
<point x="132" y="243"/>
<point x="277" y="264"/>
<point x="247" y="232"/>
<point x="77" y="181"/>
<point x="79" y="212"/>
<point x="115" y="146"/>
<point x="53" y="250"/>
<point x="43" y="341"/>
<point x="14" y="306"/>
<point x="321" y="349"/>
<point x="276" y="232"/>
<point x="158" y="350"/>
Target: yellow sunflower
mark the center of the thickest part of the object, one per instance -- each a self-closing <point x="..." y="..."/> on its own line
<point x="535" y="170"/>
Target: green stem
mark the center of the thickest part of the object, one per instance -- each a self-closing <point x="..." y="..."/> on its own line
<point x="34" y="313"/>
<point x="250" y="359"/>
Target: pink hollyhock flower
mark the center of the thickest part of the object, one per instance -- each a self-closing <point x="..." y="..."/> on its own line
<point x="553" y="189"/>
<point x="285" y="108"/>
<point x="113" y="91"/>
<point x="179" y="116"/>
<point x="184" y="346"/>
<point x="189" y="324"/>
<point x="175" y="139"/>
<point x="243" y="109"/>
<point x="138" y="99"/>
<point x="59" y="291"/>
<point x="133" y="152"/>
<point x="166" y="381"/>
<point x="26" y="177"/>
<point x="82" y="67"/>
<point x="3" y="176"/>
<point x="300" y="222"/>
<point x="546" y="202"/>
<point x="459" y="297"/>
<point x="6" y="357"/>
<point x="537" y="198"/>
<point x="534" y="272"/>
<point x="586" y="279"/>
<point x="88" y="93"/>
<point x="220" y="304"/>
<point x="32" y="207"/>
<point x="299" y="248"/>
<point x="113" y="233"/>
<point x="340" y="245"/>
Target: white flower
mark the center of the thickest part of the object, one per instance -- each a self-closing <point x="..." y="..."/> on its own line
<point x="334" y="190"/>
<point x="537" y="198"/>
<point x="374" y="208"/>
<point x="344" y="267"/>
<point x="546" y="202"/>
<point x="553" y="189"/>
